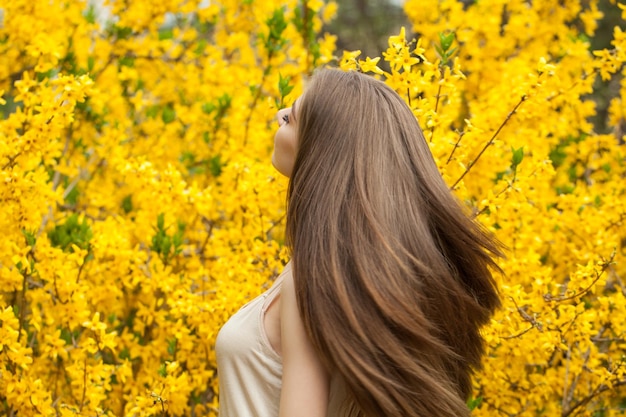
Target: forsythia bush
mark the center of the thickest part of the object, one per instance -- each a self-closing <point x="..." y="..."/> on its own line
<point x="139" y="207"/>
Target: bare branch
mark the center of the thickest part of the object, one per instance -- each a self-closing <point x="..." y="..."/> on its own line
<point x="490" y="142"/>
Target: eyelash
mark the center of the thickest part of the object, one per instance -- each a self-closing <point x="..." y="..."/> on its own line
<point x="286" y="118"/>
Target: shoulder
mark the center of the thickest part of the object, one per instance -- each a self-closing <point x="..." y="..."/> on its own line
<point x="287" y="289"/>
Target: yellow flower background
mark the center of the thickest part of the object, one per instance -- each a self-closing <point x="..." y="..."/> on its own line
<point x="139" y="208"/>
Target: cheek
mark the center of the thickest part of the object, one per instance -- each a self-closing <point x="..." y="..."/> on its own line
<point x="285" y="143"/>
<point x="285" y="148"/>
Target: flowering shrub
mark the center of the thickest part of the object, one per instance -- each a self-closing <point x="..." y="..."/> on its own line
<point x="139" y="206"/>
<point x="140" y="210"/>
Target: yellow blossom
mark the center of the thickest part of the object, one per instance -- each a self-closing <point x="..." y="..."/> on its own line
<point x="348" y="60"/>
<point x="370" y="65"/>
<point x="140" y="210"/>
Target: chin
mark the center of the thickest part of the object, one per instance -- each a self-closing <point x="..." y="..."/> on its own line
<point x="280" y="167"/>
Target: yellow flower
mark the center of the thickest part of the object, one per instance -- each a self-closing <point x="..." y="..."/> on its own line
<point x="544" y="67"/>
<point x="398" y="41"/>
<point x="348" y="60"/>
<point x="155" y="129"/>
<point x="622" y="7"/>
<point x="370" y="65"/>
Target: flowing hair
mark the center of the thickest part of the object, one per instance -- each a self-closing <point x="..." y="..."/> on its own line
<point x="392" y="277"/>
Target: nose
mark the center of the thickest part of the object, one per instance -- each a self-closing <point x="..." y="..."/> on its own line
<point x="280" y="116"/>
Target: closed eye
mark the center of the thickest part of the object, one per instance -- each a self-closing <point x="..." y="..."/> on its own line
<point x="286" y="118"/>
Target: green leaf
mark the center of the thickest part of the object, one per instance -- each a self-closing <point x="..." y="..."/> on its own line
<point x="165" y="34"/>
<point x="474" y="403"/>
<point x="90" y="14"/>
<point x="208" y="108"/>
<point x="166" y="245"/>
<point x="126" y="61"/>
<point x="72" y="197"/>
<point x="124" y="354"/>
<point x="31" y="239"/>
<point x="450" y="53"/>
<point x="169" y="114"/>
<point x="161" y="222"/>
<point x="223" y="103"/>
<point x="171" y="346"/>
<point x="215" y="166"/>
<point x="597" y="201"/>
<point x="445" y="40"/>
<point x="518" y="156"/>
<point x="72" y="232"/>
<point x="276" y="25"/>
<point x="153" y="111"/>
<point x="200" y="47"/>
<point x="127" y="204"/>
<point x="122" y="32"/>
<point x="283" y="85"/>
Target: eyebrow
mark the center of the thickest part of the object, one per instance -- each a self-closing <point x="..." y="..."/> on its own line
<point x="293" y="110"/>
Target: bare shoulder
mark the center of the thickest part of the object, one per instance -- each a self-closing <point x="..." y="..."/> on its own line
<point x="272" y="316"/>
<point x="289" y="305"/>
<point x="287" y="285"/>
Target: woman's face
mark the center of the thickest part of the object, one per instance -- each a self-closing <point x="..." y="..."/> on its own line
<point x="285" y="140"/>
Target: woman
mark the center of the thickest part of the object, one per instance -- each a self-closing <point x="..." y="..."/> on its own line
<point x="379" y="311"/>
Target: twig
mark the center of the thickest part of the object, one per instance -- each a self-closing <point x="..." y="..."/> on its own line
<point x="432" y="130"/>
<point x="490" y="142"/>
<point x="11" y="161"/>
<point x="257" y="96"/>
<point x="513" y="336"/>
<point x="527" y="317"/>
<point x="605" y="266"/>
<point x="22" y="304"/>
<point x="82" y="401"/>
<point x="566" y="394"/>
<point x="456" y="145"/>
<point x="597" y="391"/>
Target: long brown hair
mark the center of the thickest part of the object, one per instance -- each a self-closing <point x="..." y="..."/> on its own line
<point x="392" y="277"/>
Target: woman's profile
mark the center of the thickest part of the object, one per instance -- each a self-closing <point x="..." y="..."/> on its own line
<point x="379" y="310"/>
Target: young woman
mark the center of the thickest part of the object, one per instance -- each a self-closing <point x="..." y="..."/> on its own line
<point x="379" y="311"/>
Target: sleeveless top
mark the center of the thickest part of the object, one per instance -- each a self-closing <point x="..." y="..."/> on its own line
<point x="249" y="369"/>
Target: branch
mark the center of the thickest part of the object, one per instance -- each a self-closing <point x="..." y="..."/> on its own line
<point x="11" y="161"/>
<point x="527" y="317"/>
<point x="257" y="96"/>
<point x="605" y="266"/>
<point x="595" y="393"/>
<point x="25" y="276"/>
<point x="432" y="129"/>
<point x="497" y="132"/>
<point x="82" y="401"/>
<point x="513" y="336"/>
<point x="456" y="145"/>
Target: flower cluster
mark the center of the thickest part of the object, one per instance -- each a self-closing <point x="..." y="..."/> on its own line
<point x="140" y="210"/>
<point x="139" y="206"/>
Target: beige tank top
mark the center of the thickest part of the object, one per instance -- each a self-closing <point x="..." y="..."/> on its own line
<point x="249" y="369"/>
